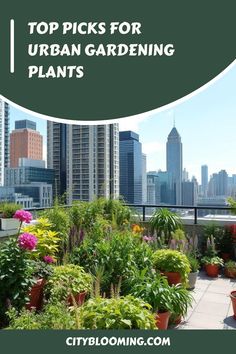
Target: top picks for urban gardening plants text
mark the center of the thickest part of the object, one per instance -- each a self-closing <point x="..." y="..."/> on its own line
<point x="77" y="49"/>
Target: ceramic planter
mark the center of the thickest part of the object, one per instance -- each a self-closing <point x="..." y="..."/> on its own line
<point x="173" y="277"/>
<point x="79" y="299"/>
<point x="162" y="320"/>
<point x="36" y="295"/>
<point x="192" y="278"/>
<point x="233" y="299"/>
<point x="9" y="224"/>
<point x="212" y="270"/>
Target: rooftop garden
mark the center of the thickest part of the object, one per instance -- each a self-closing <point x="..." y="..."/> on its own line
<point x="95" y="266"/>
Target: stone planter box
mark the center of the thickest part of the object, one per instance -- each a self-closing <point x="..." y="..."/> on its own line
<point x="9" y="224"/>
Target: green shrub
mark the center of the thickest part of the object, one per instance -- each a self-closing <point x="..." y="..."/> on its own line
<point x="194" y="263"/>
<point x="172" y="261"/>
<point x="54" y="316"/>
<point x="212" y="260"/>
<point x="67" y="280"/>
<point x="116" y="313"/>
<point x="181" y="300"/>
<point x="8" y="209"/>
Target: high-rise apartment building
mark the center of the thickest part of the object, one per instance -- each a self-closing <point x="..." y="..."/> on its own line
<point x="26" y="142"/>
<point x="131" y="175"/>
<point x="144" y="179"/>
<point x="4" y="139"/>
<point x="174" y="165"/>
<point x="85" y="159"/>
<point x="204" y="179"/>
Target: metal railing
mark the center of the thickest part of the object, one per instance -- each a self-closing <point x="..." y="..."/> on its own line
<point x="144" y="207"/>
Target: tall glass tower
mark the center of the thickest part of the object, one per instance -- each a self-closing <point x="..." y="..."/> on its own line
<point x="174" y="163"/>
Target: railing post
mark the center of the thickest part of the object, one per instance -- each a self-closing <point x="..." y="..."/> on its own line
<point x="143" y="213"/>
<point x="195" y="216"/>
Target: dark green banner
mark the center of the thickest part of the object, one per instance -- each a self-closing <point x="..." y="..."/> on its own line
<point x="62" y="342"/>
<point x="91" y="60"/>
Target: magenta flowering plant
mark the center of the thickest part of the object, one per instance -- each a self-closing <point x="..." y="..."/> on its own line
<point x="27" y="242"/>
<point x="148" y="238"/>
<point x="23" y="216"/>
<point x="48" y="259"/>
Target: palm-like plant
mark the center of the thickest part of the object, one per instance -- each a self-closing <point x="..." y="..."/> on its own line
<point x="165" y="222"/>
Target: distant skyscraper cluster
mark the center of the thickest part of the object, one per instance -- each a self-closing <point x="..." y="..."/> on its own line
<point x="89" y="161"/>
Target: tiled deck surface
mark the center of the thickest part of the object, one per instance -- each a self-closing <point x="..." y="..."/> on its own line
<point x="212" y="307"/>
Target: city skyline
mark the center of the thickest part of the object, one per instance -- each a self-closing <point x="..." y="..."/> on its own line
<point x="206" y="123"/>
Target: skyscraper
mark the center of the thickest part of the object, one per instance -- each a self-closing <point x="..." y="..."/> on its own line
<point x="4" y="139"/>
<point x="175" y="165"/>
<point x="85" y="159"/>
<point x="130" y="167"/>
<point x="144" y="178"/>
<point x="204" y="179"/>
<point x="26" y="142"/>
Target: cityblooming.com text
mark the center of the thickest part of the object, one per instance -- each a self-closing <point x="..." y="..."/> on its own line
<point x="117" y="341"/>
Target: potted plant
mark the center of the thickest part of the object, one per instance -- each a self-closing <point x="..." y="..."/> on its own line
<point x="181" y="299"/>
<point x="157" y="292"/>
<point x="125" y="312"/>
<point x="42" y="271"/>
<point x="173" y="264"/>
<point x="212" y="265"/>
<point x="194" y="270"/>
<point x="230" y="269"/>
<point x="233" y="299"/>
<point x="8" y="222"/>
<point x="69" y="283"/>
<point x="165" y="222"/>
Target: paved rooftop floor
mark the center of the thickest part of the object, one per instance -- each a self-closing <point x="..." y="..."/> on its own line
<point x="212" y="307"/>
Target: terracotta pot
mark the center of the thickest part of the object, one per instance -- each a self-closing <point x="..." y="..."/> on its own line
<point x="162" y="320"/>
<point x="212" y="270"/>
<point x="79" y="299"/>
<point x="36" y="295"/>
<point x="233" y="299"/>
<point x="230" y="273"/>
<point x="225" y="256"/>
<point x="173" y="277"/>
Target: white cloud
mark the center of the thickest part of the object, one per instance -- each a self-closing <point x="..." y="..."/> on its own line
<point x="153" y="147"/>
<point x="133" y="122"/>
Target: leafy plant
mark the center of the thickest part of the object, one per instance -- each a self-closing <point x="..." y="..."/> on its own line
<point x="8" y="209"/>
<point x="166" y="222"/>
<point x="68" y="280"/>
<point x="41" y="269"/>
<point x="230" y="265"/>
<point x="48" y="240"/>
<point x="212" y="260"/>
<point x="153" y="290"/>
<point x="15" y="276"/>
<point x="172" y="261"/>
<point x="194" y="263"/>
<point x="181" y="300"/>
<point x="116" y="313"/>
<point x="54" y="316"/>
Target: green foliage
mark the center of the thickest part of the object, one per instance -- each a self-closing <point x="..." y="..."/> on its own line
<point x="54" y="316"/>
<point x="194" y="263"/>
<point x="178" y="235"/>
<point x="181" y="300"/>
<point x="48" y="240"/>
<point x="15" y="276"/>
<point x="8" y="209"/>
<point x="172" y="261"/>
<point x="67" y="280"/>
<point x="230" y="265"/>
<point x="166" y="222"/>
<point x="153" y="290"/>
<point x="212" y="260"/>
<point x="116" y="313"/>
<point x="41" y="270"/>
<point x="118" y="256"/>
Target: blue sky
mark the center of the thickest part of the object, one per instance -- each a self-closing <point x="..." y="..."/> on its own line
<point x="206" y="123"/>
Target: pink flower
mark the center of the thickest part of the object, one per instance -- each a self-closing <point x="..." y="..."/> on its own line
<point x="27" y="241"/>
<point x="23" y="216"/>
<point x="148" y="238"/>
<point x="48" y="259"/>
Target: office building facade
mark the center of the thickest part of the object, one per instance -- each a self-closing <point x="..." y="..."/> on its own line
<point x="85" y="159"/>
<point x="4" y="139"/>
